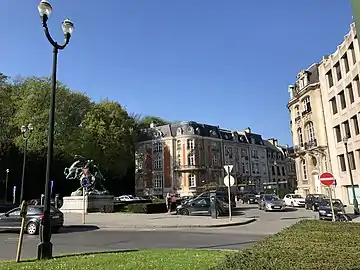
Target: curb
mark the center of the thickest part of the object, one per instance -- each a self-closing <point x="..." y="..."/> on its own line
<point x="232" y="224"/>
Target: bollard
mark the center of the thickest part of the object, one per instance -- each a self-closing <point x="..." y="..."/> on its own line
<point x="42" y="199"/>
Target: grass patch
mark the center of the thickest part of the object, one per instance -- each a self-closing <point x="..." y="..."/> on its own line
<point x="137" y="260"/>
<point x="308" y="244"/>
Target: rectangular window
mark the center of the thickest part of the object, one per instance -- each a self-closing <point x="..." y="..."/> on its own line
<point x="334" y="105"/>
<point x="355" y="124"/>
<point x="346" y="62"/>
<point x="337" y="132"/>
<point x="273" y="170"/>
<point x="278" y="170"/>
<point x="342" y="99"/>
<point x="352" y="163"/>
<point x="342" y="164"/>
<point x="352" y="52"/>
<point x="338" y="71"/>
<point x="283" y="171"/>
<point x="330" y="78"/>
<point x="158" y="162"/>
<point x="158" y="182"/>
<point x="347" y="129"/>
<point x="357" y="84"/>
<point x="190" y="144"/>
<point x="350" y="93"/>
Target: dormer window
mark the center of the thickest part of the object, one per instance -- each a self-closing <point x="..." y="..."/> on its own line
<point x="179" y="131"/>
<point x="190" y="129"/>
<point x="197" y="130"/>
<point x="213" y="133"/>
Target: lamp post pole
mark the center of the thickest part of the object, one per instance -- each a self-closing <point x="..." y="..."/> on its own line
<point x="26" y="133"/>
<point x="6" y="185"/>
<point x="45" y="246"/>
<point x="355" y="201"/>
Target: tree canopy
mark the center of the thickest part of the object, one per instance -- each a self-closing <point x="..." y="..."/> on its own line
<point x="103" y="131"/>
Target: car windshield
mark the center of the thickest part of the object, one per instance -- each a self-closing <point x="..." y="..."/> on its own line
<point x="297" y="196"/>
<point x="336" y="203"/>
<point x="271" y="198"/>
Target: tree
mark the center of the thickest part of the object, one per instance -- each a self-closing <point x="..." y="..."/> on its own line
<point x="144" y="122"/>
<point x="109" y="135"/>
<point x="32" y="102"/>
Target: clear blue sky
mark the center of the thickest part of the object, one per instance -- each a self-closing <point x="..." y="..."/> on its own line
<point x="227" y="63"/>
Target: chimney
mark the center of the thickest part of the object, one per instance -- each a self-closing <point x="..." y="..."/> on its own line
<point x="152" y="125"/>
<point x="247" y="130"/>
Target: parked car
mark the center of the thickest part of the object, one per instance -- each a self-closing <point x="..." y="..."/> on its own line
<point x="127" y="198"/>
<point x="35" y="213"/>
<point x="201" y="206"/>
<point x="60" y="202"/>
<point x="271" y="202"/>
<point x="312" y="201"/>
<point x="325" y="209"/>
<point x="221" y="195"/>
<point x="294" y="200"/>
<point x="250" y="199"/>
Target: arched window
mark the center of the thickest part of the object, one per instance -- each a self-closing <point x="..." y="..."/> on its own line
<point x="300" y="136"/>
<point x="310" y="132"/>
<point x="192" y="180"/>
<point x="304" y="171"/>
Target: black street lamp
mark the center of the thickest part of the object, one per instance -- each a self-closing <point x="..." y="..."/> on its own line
<point x="6" y="185"/>
<point x="45" y="246"/>
<point x="26" y="133"/>
<point x="355" y="201"/>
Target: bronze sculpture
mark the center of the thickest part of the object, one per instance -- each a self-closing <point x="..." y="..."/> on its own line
<point x="85" y="168"/>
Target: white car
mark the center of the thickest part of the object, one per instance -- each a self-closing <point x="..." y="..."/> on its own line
<point x="126" y="198"/>
<point x="294" y="200"/>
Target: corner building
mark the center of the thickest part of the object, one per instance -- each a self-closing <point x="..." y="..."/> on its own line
<point x="340" y="88"/>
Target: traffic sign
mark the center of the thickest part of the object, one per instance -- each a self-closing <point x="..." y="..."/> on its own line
<point x="227" y="178"/>
<point x="228" y="168"/>
<point x="85" y="182"/>
<point x="327" y="179"/>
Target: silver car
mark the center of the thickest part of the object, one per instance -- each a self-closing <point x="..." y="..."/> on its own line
<point x="271" y="202"/>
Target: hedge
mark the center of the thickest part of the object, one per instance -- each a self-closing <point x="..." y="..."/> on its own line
<point x="150" y="208"/>
<point x="306" y="245"/>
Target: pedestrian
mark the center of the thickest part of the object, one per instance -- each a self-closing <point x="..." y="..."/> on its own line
<point x="168" y="202"/>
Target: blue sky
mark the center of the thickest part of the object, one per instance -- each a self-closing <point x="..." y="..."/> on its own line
<point x="227" y="63"/>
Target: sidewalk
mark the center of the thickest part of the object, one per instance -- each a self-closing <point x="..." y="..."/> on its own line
<point x="124" y="220"/>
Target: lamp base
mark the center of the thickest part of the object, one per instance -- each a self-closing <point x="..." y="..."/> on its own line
<point x="44" y="251"/>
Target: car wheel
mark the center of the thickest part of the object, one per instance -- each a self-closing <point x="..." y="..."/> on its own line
<point x="184" y="212"/>
<point x="32" y="228"/>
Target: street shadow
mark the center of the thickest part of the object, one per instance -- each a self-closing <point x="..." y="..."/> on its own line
<point x="247" y="207"/>
<point x="291" y="209"/>
<point x="77" y="228"/>
<point x="229" y="245"/>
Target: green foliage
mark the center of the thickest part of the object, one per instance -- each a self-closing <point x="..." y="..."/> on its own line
<point x="150" y="208"/>
<point x="305" y="245"/>
<point x="144" y="122"/>
<point x="131" y="260"/>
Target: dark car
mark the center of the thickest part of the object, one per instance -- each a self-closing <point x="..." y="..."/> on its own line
<point x="312" y="201"/>
<point x="12" y="219"/>
<point x="250" y="199"/>
<point x="201" y="206"/>
<point x="221" y="195"/>
<point x="325" y="208"/>
<point x="52" y="202"/>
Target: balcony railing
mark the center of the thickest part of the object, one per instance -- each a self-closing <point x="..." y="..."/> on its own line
<point x="189" y="167"/>
<point x="310" y="144"/>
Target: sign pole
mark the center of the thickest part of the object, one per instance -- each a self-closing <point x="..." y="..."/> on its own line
<point x="331" y="204"/>
<point x="84" y="206"/>
<point x="229" y="195"/>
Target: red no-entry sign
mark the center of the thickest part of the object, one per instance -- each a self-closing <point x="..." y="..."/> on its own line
<point x="327" y="179"/>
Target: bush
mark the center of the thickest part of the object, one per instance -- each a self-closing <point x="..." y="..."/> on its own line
<point x="305" y="245"/>
<point x="119" y="207"/>
<point x="150" y="208"/>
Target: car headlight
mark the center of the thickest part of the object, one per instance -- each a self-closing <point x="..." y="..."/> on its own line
<point x="178" y="207"/>
<point x="322" y="211"/>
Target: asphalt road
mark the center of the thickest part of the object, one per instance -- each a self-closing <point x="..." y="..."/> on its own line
<point x="100" y="240"/>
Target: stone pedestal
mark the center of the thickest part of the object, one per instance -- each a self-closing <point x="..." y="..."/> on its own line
<point x="93" y="203"/>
